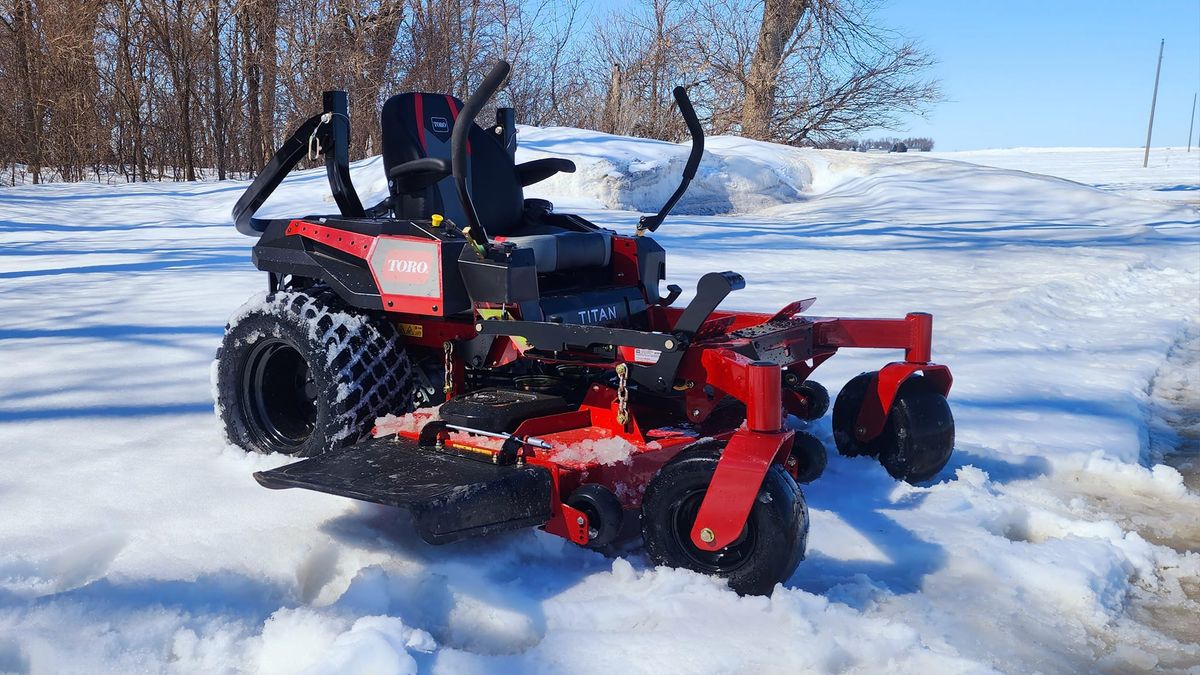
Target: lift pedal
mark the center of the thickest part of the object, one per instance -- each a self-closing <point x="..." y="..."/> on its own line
<point x="450" y="496"/>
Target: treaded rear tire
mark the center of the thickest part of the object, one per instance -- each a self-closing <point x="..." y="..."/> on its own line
<point x="357" y="370"/>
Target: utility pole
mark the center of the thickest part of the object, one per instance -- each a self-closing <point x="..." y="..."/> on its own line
<point x="1153" y="102"/>
<point x="1191" y="122"/>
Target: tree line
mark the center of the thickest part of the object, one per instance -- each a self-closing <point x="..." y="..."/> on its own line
<point x="185" y="89"/>
<point x="916" y="143"/>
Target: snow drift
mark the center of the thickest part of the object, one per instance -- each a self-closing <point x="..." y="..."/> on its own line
<point x="133" y="539"/>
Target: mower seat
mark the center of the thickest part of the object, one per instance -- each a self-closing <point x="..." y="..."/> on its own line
<point x="417" y="126"/>
<point x="556" y="249"/>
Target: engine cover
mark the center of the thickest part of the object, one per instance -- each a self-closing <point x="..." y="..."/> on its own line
<point x="499" y="410"/>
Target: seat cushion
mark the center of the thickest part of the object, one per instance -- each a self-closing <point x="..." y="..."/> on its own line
<point x="556" y="249"/>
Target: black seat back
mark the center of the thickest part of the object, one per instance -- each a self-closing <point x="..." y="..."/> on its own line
<point x="417" y="125"/>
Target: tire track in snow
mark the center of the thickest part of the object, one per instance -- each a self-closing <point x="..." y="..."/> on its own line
<point x="1175" y="407"/>
<point x="1163" y="609"/>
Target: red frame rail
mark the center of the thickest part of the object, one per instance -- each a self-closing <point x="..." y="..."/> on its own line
<point x="712" y="369"/>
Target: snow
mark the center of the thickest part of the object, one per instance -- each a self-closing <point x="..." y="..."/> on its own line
<point x="602" y="451"/>
<point x="475" y="440"/>
<point x="1175" y="406"/>
<point x="1171" y="173"/>
<point x="408" y="423"/>
<point x="1066" y="289"/>
<point x="735" y="175"/>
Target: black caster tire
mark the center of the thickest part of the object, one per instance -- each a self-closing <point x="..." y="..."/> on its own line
<point x="814" y="393"/>
<point x="300" y="375"/>
<point x="770" y="547"/>
<point x="845" y="417"/>
<point x="918" y="438"/>
<point x="603" y="510"/>
<point x="808" y="457"/>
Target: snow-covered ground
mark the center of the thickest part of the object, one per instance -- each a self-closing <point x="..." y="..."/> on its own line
<point x="1170" y="174"/>
<point x="133" y="539"/>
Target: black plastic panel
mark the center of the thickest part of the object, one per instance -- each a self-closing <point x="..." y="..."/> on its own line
<point x="499" y="409"/>
<point x="450" y="496"/>
<point x="502" y="279"/>
<point x="605" y="307"/>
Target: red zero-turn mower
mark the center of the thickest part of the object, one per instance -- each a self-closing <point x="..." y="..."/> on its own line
<point x="488" y="363"/>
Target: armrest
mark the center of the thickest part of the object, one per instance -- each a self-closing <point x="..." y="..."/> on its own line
<point x="539" y="170"/>
<point x="418" y="174"/>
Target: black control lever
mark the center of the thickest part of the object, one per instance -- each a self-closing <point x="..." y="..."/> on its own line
<point x="651" y="223"/>
<point x="458" y="150"/>
<point x="710" y="291"/>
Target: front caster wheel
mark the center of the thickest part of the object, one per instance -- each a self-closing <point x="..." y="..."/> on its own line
<point x="919" y="436"/>
<point x="769" y="548"/>
<point x="845" y="417"/>
<point x="917" y="439"/>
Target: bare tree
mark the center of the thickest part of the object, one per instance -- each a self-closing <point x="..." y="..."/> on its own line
<point x="153" y="89"/>
<point x="537" y="37"/>
<point x="173" y="26"/>
<point x="780" y="18"/>
<point x="834" y="74"/>
<point x="125" y="78"/>
<point x="857" y="76"/>
<point x="20" y="24"/>
<point x="639" y="55"/>
<point x="258" y="27"/>
<point x="219" y="117"/>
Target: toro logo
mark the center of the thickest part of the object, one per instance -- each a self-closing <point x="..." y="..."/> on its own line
<point x="439" y="124"/>
<point x="408" y="266"/>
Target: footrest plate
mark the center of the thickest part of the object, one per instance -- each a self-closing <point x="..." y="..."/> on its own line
<point x="450" y="496"/>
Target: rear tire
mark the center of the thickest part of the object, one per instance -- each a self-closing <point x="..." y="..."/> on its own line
<point x="771" y="544"/>
<point x="299" y="374"/>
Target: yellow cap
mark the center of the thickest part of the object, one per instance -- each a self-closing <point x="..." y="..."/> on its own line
<point x="437" y="219"/>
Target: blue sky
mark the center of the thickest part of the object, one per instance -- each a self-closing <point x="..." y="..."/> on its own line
<point x="1048" y="72"/>
<point x="1054" y="72"/>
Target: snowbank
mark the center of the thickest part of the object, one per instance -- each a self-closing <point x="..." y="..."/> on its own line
<point x="134" y="539"/>
<point x="617" y="172"/>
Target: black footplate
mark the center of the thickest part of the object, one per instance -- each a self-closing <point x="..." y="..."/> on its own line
<point x="450" y="496"/>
